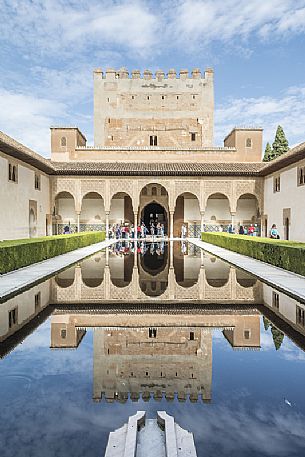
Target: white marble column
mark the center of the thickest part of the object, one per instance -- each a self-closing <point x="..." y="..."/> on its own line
<point x="107" y="224"/>
<point x="171" y="224"/>
<point x="135" y="215"/>
<point x="202" y="221"/>
<point x="78" y="223"/>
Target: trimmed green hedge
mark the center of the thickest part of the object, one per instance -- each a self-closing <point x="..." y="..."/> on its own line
<point x="289" y="255"/>
<point x="15" y="254"/>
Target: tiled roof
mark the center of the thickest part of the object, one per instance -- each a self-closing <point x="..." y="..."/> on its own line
<point x="157" y="169"/>
<point x="293" y="155"/>
<point x="14" y="149"/>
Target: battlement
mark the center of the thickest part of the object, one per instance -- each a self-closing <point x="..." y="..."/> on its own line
<point x="159" y="75"/>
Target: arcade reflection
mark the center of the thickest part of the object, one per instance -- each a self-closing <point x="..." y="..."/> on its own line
<point x="152" y="309"/>
<point x="176" y="272"/>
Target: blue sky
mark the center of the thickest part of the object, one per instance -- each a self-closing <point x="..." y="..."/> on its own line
<point x="48" y="50"/>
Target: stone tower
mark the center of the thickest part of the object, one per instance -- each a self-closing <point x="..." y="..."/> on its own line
<point x="153" y="110"/>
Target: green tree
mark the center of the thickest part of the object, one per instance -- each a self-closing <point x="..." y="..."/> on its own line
<point x="278" y="337"/>
<point x="266" y="323"/>
<point x="280" y="144"/>
<point x="268" y="153"/>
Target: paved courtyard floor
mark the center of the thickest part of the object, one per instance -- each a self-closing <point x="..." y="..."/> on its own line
<point x="286" y="281"/>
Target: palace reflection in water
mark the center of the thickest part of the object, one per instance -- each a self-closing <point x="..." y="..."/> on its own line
<point x="153" y="309"/>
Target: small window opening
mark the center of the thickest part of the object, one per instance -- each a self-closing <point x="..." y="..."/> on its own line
<point x="63" y="141"/>
<point x="300" y="316"/>
<point x="177" y="97"/>
<point x="146" y="373"/>
<point x="153" y="191"/>
<point x="162" y="97"/>
<point x="12" y="317"/>
<point x="153" y="141"/>
<point x="63" y="333"/>
<point x="248" y="143"/>
<point x="194" y="96"/>
<point x="109" y="120"/>
<point x="247" y="334"/>
<point x="152" y="333"/>
<point x="37" y="300"/>
<point x="37" y="181"/>
<point x="192" y="336"/>
<point x="275" y="300"/>
<point x="193" y="136"/>
<point x="148" y="97"/>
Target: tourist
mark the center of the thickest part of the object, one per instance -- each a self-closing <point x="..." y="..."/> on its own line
<point x="132" y="229"/>
<point x="251" y="230"/>
<point x="152" y="229"/>
<point x="183" y="231"/>
<point x="143" y="230"/>
<point x="162" y="230"/>
<point x="66" y="230"/>
<point x="230" y="229"/>
<point x="139" y="231"/>
<point x="274" y="232"/>
<point x="241" y="230"/>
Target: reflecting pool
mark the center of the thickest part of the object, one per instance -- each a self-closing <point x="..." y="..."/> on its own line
<point x="152" y="326"/>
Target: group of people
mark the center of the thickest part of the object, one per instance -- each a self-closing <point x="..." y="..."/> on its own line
<point x="127" y="231"/>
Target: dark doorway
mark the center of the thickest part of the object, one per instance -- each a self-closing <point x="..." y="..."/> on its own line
<point x="156" y="213"/>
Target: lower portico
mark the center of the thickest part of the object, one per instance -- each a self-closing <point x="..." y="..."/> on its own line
<point x="207" y="199"/>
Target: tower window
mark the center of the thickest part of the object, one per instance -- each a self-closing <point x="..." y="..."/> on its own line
<point x="63" y="333"/>
<point x="163" y="97"/>
<point x="153" y="141"/>
<point x="148" y="97"/>
<point x="152" y="333"/>
<point x="177" y="97"/>
<point x="194" y="96"/>
<point x="63" y="141"/>
<point x="193" y="136"/>
<point x="248" y="143"/>
<point x="247" y="334"/>
<point x="192" y="336"/>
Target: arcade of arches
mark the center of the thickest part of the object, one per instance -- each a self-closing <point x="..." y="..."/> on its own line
<point x="201" y="204"/>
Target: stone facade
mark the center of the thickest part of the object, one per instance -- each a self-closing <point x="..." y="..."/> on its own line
<point x="150" y="111"/>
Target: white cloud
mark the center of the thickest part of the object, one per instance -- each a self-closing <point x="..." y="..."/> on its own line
<point x="28" y="118"/>
<point x="143" y="27"/>
<point x="201" y="22"/>
<point x="267" y="112"/>
<point x="43" y="26"/>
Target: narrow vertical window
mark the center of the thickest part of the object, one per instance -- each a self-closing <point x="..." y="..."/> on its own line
<point x="153" y="141"/>
<point x="248" y="143"/>
<point x="193" y="136"/>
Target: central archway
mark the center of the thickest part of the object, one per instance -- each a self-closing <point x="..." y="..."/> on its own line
<point x="154" y="212"/>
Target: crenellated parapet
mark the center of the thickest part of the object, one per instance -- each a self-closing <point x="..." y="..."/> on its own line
<point x="183" y="74"/>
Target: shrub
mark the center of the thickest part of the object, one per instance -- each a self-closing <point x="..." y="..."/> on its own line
<point x="284" y="254"/>
<point x="15" y="254"/>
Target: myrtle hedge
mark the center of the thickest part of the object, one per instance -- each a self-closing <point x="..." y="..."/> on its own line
<point x="15" y="254"/>
<point x="284" y="254"/>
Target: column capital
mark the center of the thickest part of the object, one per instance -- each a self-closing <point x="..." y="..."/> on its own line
<point x="233" y="213"/>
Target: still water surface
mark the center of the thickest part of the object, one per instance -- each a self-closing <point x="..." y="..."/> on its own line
<point x="152" y="327"/>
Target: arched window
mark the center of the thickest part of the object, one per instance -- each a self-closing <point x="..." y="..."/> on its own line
<point x="248" y="143"/>
<point x="153" y="191"/>
<point x="63" y="141"/>
<point x="144" y="191"/>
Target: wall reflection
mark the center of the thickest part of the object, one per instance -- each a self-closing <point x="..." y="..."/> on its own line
<point x="154" y="321"/>
<point x="155" y="355"/>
